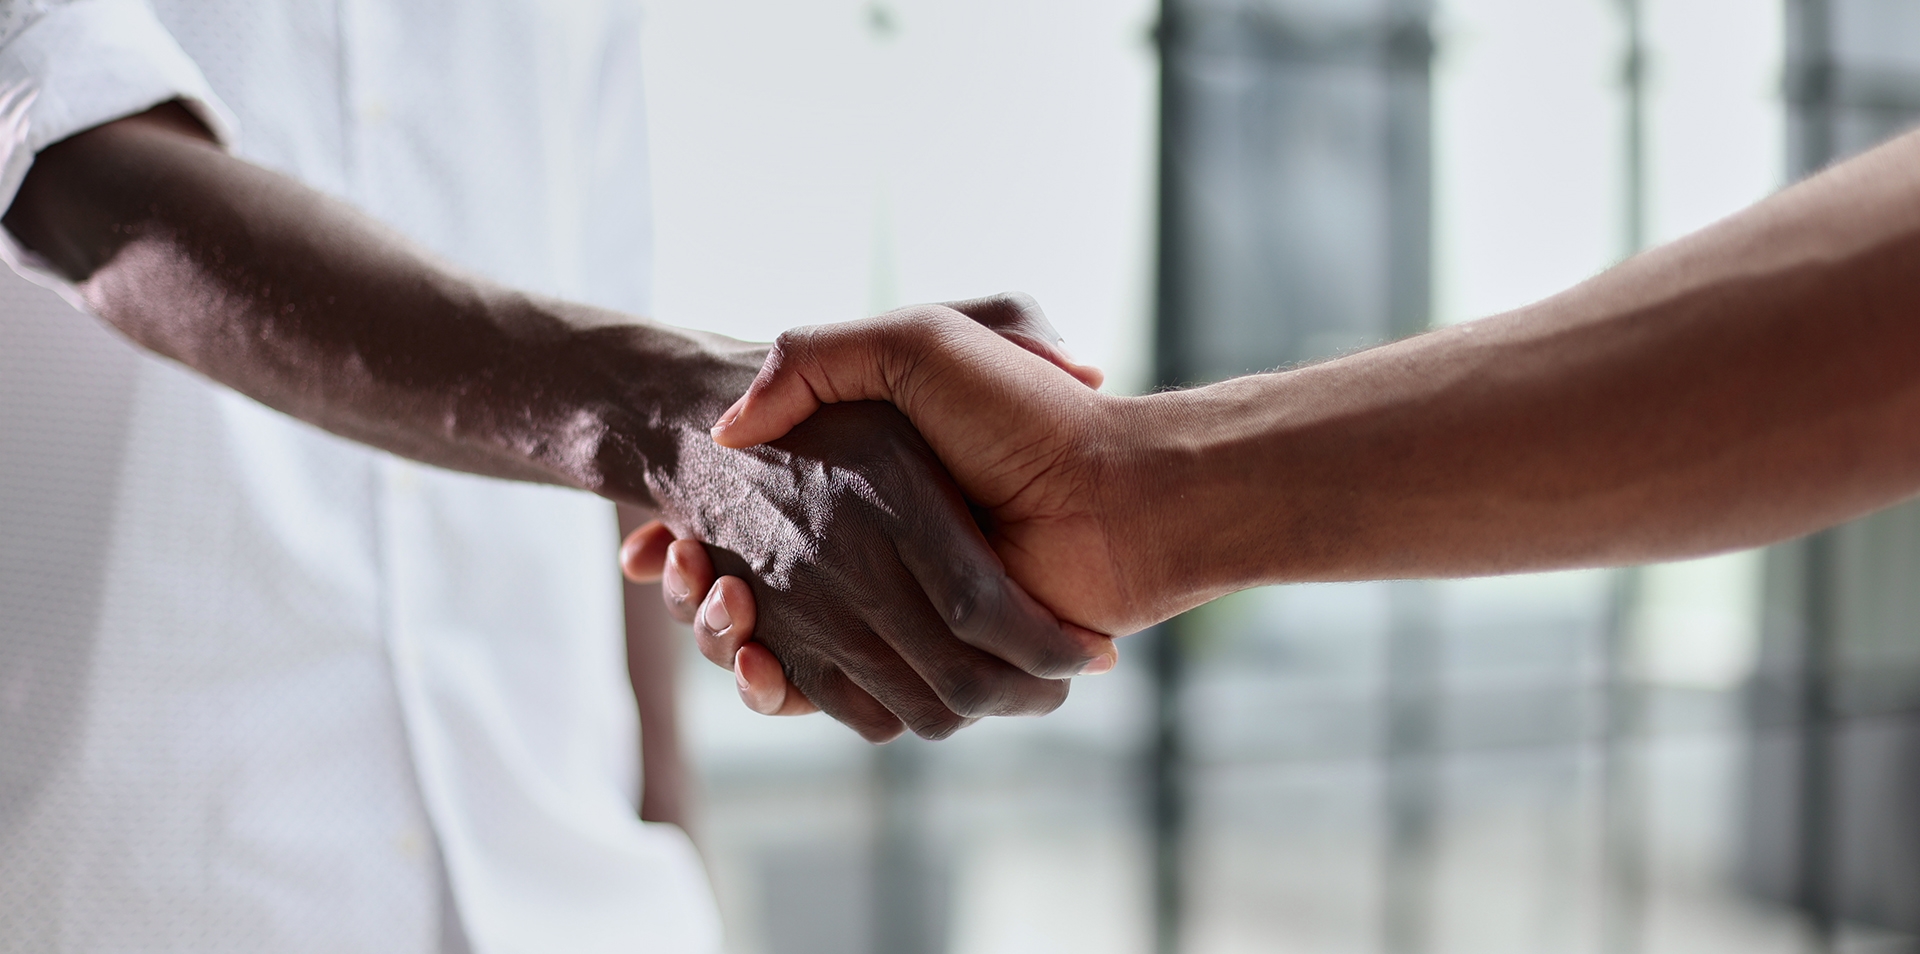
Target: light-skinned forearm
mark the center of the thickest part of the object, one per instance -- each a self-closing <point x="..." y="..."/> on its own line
<point x="1750" y="383"/>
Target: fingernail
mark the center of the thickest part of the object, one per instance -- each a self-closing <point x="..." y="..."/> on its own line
<point x="715" y="614"/>
<point x="754" y="699"/>
<point x="726" y="419"/>
<point x="672" y="581"/>
<point x="1101" y="664"/>
<point x="747" y="696"/>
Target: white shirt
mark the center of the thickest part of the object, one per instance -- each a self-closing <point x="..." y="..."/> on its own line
<point x="262" y="689"/>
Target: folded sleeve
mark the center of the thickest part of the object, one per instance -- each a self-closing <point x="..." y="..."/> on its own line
<point x="66" y="67"/>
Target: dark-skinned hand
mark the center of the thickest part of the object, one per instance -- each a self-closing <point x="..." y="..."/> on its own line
<point x="734" y="633"/>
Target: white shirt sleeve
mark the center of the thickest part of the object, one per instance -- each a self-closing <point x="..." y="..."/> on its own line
<point x="67" y="66"/>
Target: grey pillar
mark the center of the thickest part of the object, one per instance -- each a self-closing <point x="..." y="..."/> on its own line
<point x="1835" y="771"/>
<point x="1294" y="224"/>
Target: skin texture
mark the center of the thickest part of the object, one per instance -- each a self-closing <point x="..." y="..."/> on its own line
<point x="872" y="580"/>
<point x="686" y="569"/>
<point x="1750" y="383"/>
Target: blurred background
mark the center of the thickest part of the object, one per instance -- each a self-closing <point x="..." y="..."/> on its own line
<point x="1702" y="757"/>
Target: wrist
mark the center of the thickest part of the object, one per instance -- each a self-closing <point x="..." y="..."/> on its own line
<point x="616" y="406"/>
<point x="1157" y="478"/>
<point x="1214" y="505"/>
<point x="656" y="423"/>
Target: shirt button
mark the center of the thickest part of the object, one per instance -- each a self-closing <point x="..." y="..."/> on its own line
<point x="404" y="479"/>
<point x="411" y="845"/>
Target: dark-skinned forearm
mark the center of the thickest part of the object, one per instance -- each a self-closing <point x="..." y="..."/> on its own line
<point x="311" y="307"/>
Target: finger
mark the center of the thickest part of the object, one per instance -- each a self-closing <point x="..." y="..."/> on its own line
<point x="973" y="684"/>
<point x="910" y="700"/>
<point x="1103" y="663"/>
<point x="965" y="581"/>
<point x="990" y="610"/>
<point x="644" y="552"/>
<point x="852" y="361"/>
<point x="843" y="668"/>
<point x="686" y="576"/>
<point x="891" y="681"/>
<point x="967" y="680"/>
<point x="723" y="629"/>
<point x="763" y="684"/>
<point x="1084" y="373"/>
<point x="725" y="620"/>
<point x="807" y="367"/>
<point x="1016" y="317"/>
<point x="933" y="363"/>
<point x="846" y="701"/>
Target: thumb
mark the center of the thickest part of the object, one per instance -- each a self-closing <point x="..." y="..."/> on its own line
<point x="643" y="554"/>
<point x="778" y="399"/>
<point x="808" y="367"/>
<point x="872" y="360"/>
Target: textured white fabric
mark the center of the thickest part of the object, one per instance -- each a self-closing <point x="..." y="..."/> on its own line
<point x="70" y="65"/>
<point x="262" y="689"/>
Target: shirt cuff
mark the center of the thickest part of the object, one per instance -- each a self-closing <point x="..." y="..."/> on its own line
<point x="80" y="65"/>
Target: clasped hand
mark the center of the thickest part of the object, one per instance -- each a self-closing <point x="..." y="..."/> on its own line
<point x="1024" y="436"/>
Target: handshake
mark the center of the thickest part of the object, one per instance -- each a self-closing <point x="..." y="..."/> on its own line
<point x="964" y="551"/>
<point x="960" y="554"/>
<point x="925" y="518"/>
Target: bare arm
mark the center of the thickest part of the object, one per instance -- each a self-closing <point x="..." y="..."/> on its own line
<point x="1747" y="384"/>
<point x="1750" y="383"/>
<point x="876" y="588"/>
<point x="312" y="308"/>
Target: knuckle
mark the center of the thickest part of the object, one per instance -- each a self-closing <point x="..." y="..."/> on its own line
<point x="684" y="602"/>
<point x="976" y="612"/>
<point x="795" y="347"/>
<point x="1057" y="662"/>
<point x="934" y="726"/>
<point x="971" y="607"/>
<point x="977" y="692"/>
<point x="1053" y="697"/>
<point x="946" y="330"/>
<point x="913" y="331"/>
<point x="877" y="731"/>
<point x="926" y="716"/>
<point x="1026" y="305"/>
<point x="792" y="338"/>
<point x="711" y="648"/>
